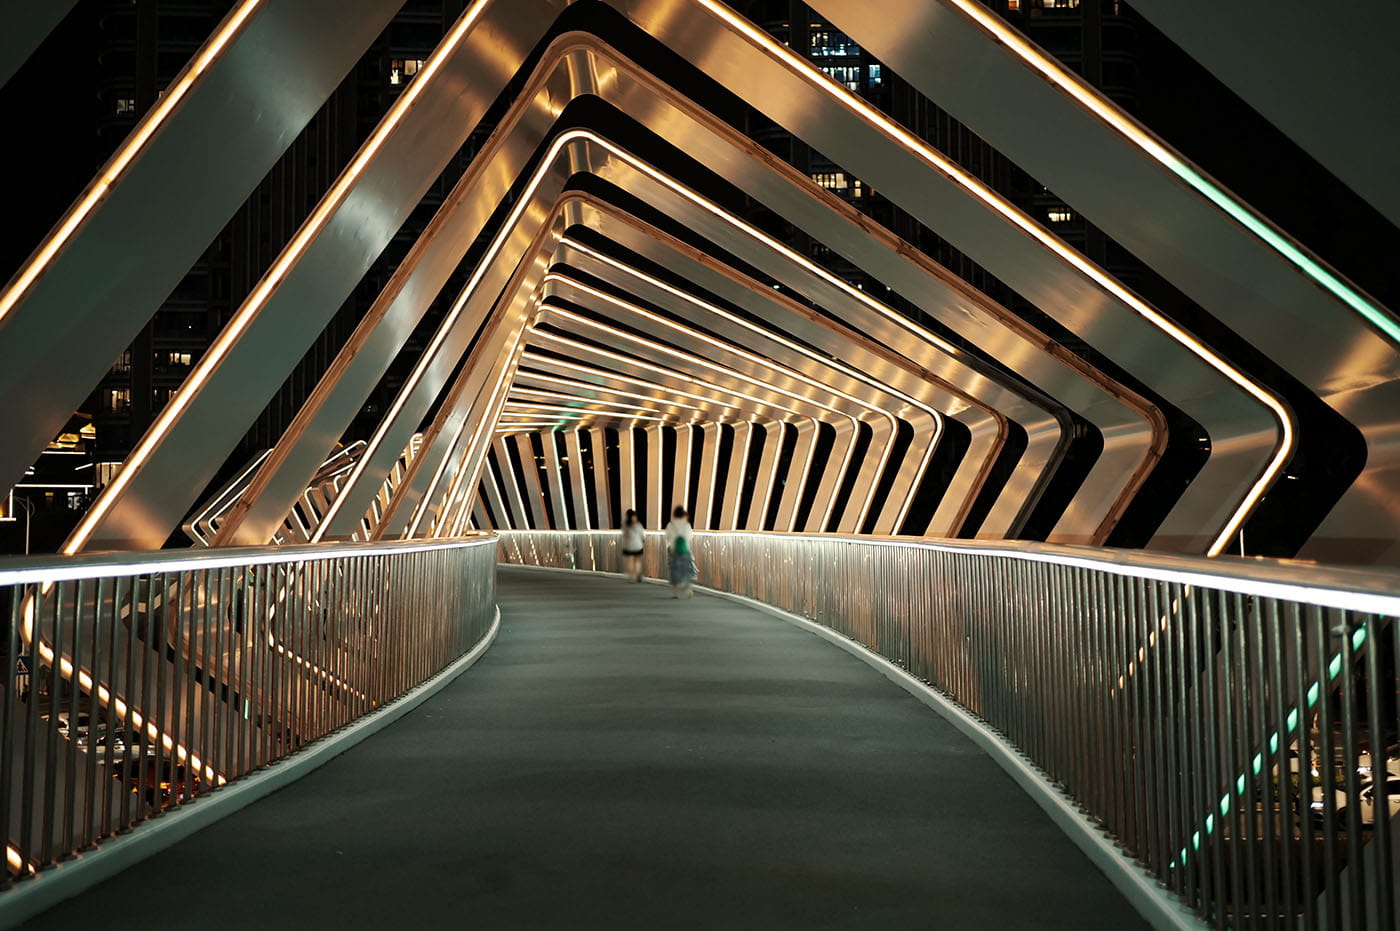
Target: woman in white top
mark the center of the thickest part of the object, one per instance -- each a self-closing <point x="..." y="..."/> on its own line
<point x="680" y="558"/>
<point x="633" y="542"/>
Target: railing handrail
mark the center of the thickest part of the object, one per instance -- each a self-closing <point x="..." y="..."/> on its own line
<point x="1221" y="720"/>
<point x="1375" y="591"/>
<point x="22" y="570"/>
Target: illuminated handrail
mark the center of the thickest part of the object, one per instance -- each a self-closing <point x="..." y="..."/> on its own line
<point x="131" y="682"/>
<point x="1226" y="721"/>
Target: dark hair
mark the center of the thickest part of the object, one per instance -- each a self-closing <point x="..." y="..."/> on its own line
<point x="630" y="516"/>
<point x="678" y="512"/>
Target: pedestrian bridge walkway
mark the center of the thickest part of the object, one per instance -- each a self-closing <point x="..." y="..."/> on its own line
<point x="620" y="759"/>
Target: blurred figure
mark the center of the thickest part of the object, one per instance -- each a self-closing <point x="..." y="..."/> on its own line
<point x="680" y="558"/>
<point x="633" y="542"/>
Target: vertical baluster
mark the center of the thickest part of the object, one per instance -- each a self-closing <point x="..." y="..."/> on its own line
<point x="1283" y="908"/>
<point x="9" y="682"/>
<point x="1303" y="813"/>
<point x="1351" y="753"/>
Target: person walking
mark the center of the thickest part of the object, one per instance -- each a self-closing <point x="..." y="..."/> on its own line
<point x="633" y="542"/>
<point x="679" y="554"/>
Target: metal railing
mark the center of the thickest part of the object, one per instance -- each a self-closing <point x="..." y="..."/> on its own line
<point x="133" y="682"/>
<point x="1230" y="723"/>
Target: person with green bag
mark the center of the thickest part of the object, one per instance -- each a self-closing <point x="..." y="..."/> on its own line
<point x="680" y="558"/>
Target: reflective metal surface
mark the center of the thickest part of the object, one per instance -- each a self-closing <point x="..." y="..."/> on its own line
<point x="1231" y="724"/>
<point x="1113" y="472"/>
<point x="1327" y="80"/>
<point x="165" y="186"/>
<point x="134" y="682"/>
<point x="1315" y="74"/>
<point x="157" y="204"/>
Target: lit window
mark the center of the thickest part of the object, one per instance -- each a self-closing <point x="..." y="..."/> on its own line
<point x="1060" y="215"/>
<point x="116" y="400"/>
<point x="1059" y="4"/>
<point x="827" y="42"/>
<point x="848" y="75"/>
<point x="856" y="189"/>
<point x="123" y="364"/>
<point x="126" y="105"/>
<point x="180" y="358"/>
<point x="831" y="180"/>
<point x="1013" y="6"/>
<point x="402" y="69"/>
<point x="875" y="75"/>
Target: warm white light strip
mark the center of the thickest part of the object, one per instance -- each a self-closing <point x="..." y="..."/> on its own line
<point x="546" y="336"/>
<point x="710" y="403"/>
<point x="84" y="568"/>
<point x="15" y="861"/>
<point x="581" y="390"/>
<point x="271" y="281"/>
<point x="584" y="348"/>
<point x="130" y="149"/>
<point x="481" y="429"/>
<point x="806" y="353"/>
<point x="694" y="359"/>
<point x="1026" y="224"/>
<point x="226" y="499"/>
<point x="525" y="407"/>
<point x="1149" y="144"/>
<point x="444" y="329"/>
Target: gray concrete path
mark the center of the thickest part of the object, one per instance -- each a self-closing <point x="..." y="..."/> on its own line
<point x="623" y="760"/>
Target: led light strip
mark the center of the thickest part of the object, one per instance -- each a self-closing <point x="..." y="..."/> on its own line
<point x="578" y="347"/>
<point x="270" y="282"/>
<point x="454" y="495"/>
<point x="1212" y="575"/>
<point x="226" y="499"/>
<point x="1149" y="144"/>
<point x="632" y="379"/>
<point x="124" y="712"/>
<point x="801" y="350"/>
<point x="534" y="399"/>
<point x="47" y="578"/>
<point x="525" y="407"/>
<point x="425" y="361"/>
<point x="579" y="388"/>
<point x="1256" y="765"/>
<point x="762" y="362"/>
<point x="502" y="379"/>
<point x="128" y="153"/>
<point x="723" y="346"/>
<point x="1003" y="208"/>
<point x="704" y="363"/>
<point x="493" y="250"/>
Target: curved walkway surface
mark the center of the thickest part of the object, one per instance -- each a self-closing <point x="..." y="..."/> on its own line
<point x="620" y="759"/>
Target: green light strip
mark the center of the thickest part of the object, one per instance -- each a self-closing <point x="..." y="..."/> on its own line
<point x="1288" y="250"/>
<point x="1314" y="694"/>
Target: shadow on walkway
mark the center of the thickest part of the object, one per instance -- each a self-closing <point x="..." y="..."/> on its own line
<point x="620" y="759"/>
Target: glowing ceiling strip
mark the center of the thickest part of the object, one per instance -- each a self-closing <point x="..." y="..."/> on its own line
<point x="1070" y="256"/>
<point x="289" y="257"/>
<point x="1111" y="116"/>
<point x="125" y="155"/>
<point x="798" y="348"/>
